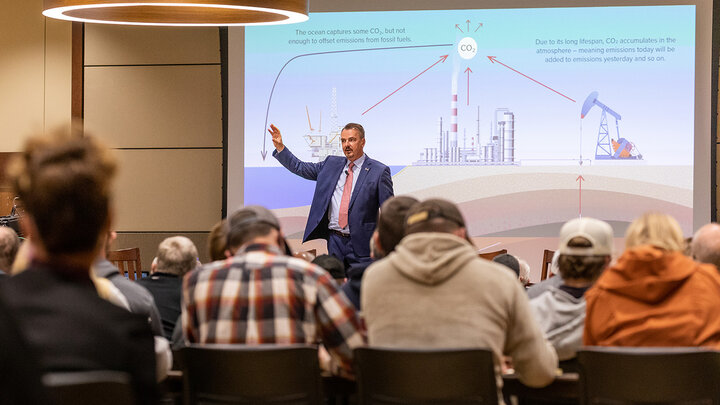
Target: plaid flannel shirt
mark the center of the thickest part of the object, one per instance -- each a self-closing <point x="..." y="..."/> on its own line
<point x="261" y="296"/>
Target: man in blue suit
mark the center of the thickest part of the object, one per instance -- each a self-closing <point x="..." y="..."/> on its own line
<point x="348" y="194"/>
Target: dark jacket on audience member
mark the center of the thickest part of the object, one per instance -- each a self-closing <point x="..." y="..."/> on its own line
<point x="351" y="288"/>
<point x="70" y="328"/>
<point x="654" y="297"/>
<point x="166" y="289"/>
<point x="140" y="300"/>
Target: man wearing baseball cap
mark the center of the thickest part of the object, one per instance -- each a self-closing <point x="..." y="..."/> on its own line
<point x="585" y="251"/>
<point x="262" y="295"/>
<point x="434" y="291"/>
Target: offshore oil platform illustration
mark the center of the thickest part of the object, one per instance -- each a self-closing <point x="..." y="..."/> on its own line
<point x="324" y="145"/>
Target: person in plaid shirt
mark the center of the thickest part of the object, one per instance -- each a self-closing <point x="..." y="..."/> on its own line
<point x="263" y="296"/>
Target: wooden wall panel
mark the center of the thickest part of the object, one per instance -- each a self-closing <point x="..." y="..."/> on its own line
<point x="34" y="86"/>
<point x="154" y="106"/>
<point x="125" y="45"/>
<point x="168" y="190"/>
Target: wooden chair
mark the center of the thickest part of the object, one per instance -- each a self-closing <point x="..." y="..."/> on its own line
<point x="643" y="375"/>
<point x="307" y="255"/>
<point x="546" y="263"/>
<point x="425" y="376"/>
<point x="244" y="374"/>
<point x="127" y="261"/>
<point x="491" y="255"/>
<point x="101" y="387"/>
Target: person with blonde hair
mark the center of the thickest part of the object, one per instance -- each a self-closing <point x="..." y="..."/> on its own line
<point x="654" y="295"/>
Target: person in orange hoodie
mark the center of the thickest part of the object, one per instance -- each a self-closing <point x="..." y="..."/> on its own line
<point x="654" y="295"/>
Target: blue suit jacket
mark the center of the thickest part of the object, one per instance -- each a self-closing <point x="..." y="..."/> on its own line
<point x="373" y="187"/>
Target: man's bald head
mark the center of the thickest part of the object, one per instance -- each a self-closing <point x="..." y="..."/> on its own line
<point x="706" y="244"/>
<point x="9" y="244"/>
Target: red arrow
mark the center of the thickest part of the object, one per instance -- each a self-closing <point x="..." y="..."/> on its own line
<point x="458" y="27"/>
<point x="478" y="27"/>
<point x="493" y="60"/>
<point x="468" y="25"/>
<point x="442" y="59"/>
<point x="468" y="71"/>
<point x="580" y="179"/>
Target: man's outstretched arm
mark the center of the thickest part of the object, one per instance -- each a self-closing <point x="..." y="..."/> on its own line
<point x="286" y="158"/>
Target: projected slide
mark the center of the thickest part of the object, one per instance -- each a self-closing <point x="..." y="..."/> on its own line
<point x="524" y="117"/>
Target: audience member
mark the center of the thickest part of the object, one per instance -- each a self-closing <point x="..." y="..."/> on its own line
<point x="9" y="245"/>
<point x="262" y="295"/>
<point x="509" y="262"/>
<point x="176" y="256"/>
<point x="390" y="230"/>
<point x="217" y="241"/>
<point x="705" y="246"/>
<point x="235" y="234"/>
<point x="524" y="275"/>
<point x="138" y="297"/>
<point x="552" y="281"/>
<point x="64" y="181"/>
<point x="435" y="292"/>
<point x="332" y="265"/>
<point x="21" y="382"/>
<point x="585" y="250"/>
<point x="654" y="295"/>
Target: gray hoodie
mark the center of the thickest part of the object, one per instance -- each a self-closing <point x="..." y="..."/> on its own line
<point x="562" y="318"/>
<point x="435" y="292"/>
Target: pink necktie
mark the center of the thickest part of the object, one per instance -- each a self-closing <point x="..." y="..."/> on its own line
<point x="345" y="202"/>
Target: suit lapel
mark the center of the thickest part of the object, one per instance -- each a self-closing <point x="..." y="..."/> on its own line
<point x="364" y="170"/>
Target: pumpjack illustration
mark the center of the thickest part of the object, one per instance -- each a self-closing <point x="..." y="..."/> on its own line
<point x="608" y="148"/>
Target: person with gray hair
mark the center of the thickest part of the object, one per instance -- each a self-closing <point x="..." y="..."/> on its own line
<point x="705" y="245"/>
<point x="9" y="245"/>
<point x="176" y="256"/>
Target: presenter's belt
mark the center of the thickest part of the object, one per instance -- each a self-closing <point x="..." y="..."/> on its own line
<point x="340" y="234"/>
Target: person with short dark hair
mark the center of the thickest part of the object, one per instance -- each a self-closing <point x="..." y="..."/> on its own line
<point x="435" y="292"/>
<point x="332" y="265"/>
<point x="65" y="182"/>
<point x="263" y="296"/>
<point x="508" y="261"/>
<point x="390" y="230"/>
<point x="585" y="250"/>
<point x="176" y="256"/>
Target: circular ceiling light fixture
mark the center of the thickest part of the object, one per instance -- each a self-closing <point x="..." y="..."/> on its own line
<point x="194" y="13"/>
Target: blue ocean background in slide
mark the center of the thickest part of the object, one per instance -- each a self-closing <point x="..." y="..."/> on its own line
<point x="276" y="187"/>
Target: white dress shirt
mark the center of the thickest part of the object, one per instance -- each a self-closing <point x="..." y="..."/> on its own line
<point x="334" y="212"/>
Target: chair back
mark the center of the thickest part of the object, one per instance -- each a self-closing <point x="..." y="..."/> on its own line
<point x="546" y="263"/>
<point x="426" y="376"/>
<point x="127" y="261"/>
<point x="100" y="387"/>
<point x="241" y="374"/>
<point x="649" y="375"/>
<point x="307" y="255"/>
<point x="491" y="255"/>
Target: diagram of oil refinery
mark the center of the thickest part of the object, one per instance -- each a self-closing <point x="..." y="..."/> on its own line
<point x="499" y="151"/>
<point x="500" y="148"/>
